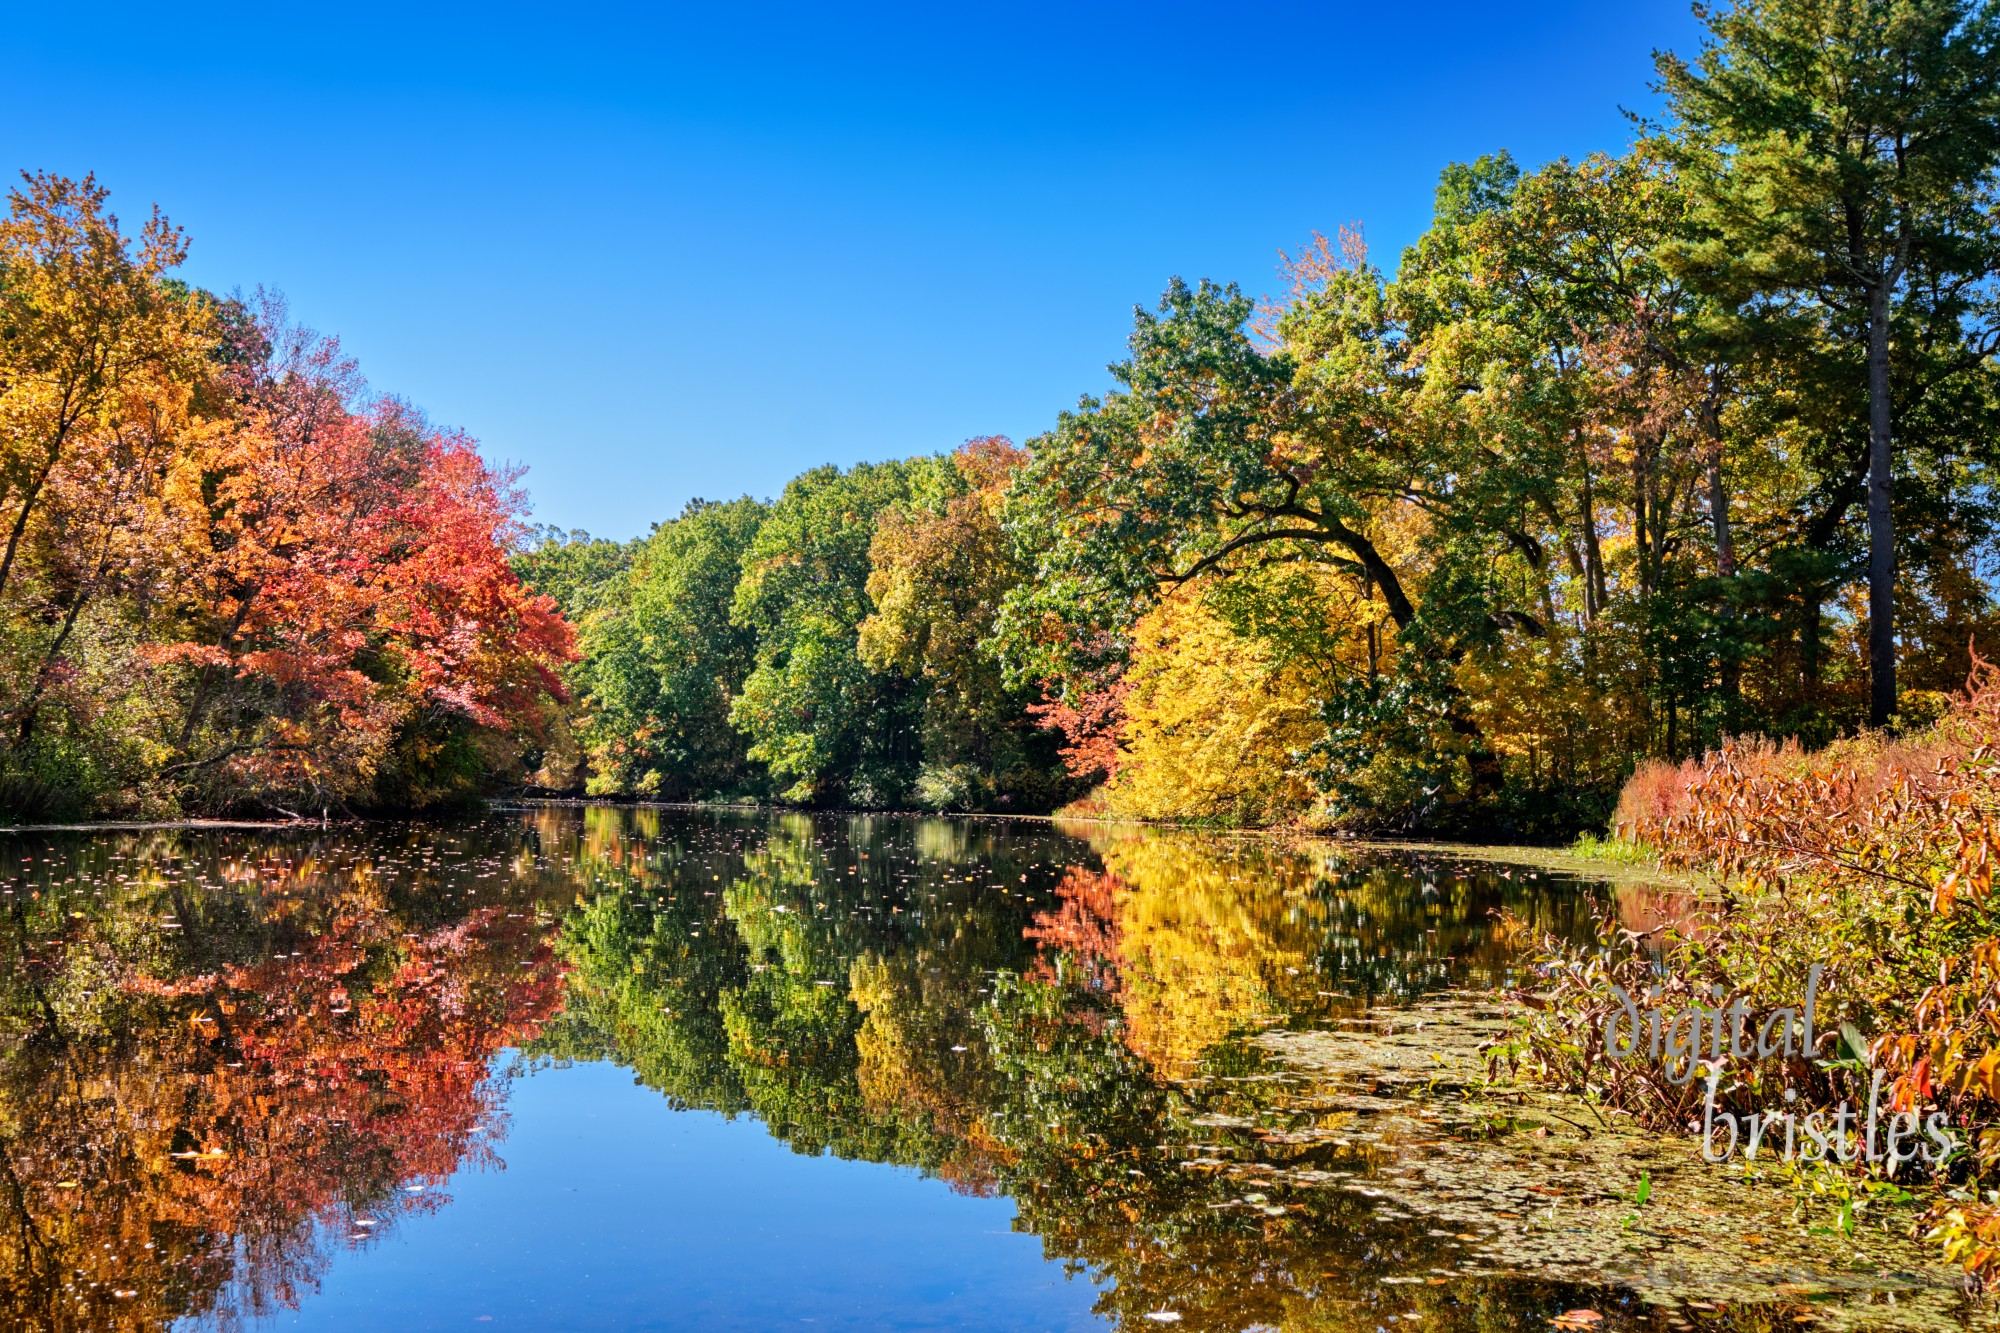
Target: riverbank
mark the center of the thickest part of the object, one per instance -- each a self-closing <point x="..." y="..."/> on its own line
<point x="1616" y="871"/>
<point x="154" y="826"/>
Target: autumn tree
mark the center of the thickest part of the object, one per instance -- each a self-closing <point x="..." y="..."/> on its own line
<point x="102" y="363"/>
<point x="349" y="607"/>
<point x="1218" y="458"/>
<point x="940" y="569"/>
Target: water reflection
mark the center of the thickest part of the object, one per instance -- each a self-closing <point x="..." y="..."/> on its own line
<point x="224" y="1056"/>
<point x="1043" y="1015"/>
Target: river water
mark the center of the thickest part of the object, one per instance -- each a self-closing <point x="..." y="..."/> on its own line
<point x="596" y="1068"/>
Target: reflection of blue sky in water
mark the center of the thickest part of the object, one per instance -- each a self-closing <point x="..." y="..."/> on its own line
<point x="616" y="1212"/>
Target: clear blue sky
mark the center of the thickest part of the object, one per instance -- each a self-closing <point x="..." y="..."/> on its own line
<point x="659" y="252"/>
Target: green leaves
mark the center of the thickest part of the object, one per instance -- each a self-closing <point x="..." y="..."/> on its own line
<point x="816" y="716"/>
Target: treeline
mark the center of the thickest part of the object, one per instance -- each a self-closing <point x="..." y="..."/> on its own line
<point x="1630" y="455"/>
<point x="834" y="647"/>
<point x="230" y="577"/>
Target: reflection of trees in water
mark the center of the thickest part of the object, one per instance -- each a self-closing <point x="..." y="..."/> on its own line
<point x="1203" y="936"/>
<point x="824" y="974"/>
<point x="241" y="1050"/>
<point x="882" y="989"/>
<point x="221" y="1056"/>
<point x="1097" y="1152"/>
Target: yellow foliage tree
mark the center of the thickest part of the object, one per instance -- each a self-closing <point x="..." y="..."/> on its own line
<point x="1220" y="722"/>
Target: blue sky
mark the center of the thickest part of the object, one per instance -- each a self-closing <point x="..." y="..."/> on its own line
<point x="660" y="252"/>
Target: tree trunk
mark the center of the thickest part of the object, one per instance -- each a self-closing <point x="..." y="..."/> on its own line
<point x="1809" y="637"/>
<point x="1881" y="524"/>
<point x="30" y="494"/>
<point x="1642" y="549"/>
<point x="31" y="710"/>
<point x="1378" y="570"/>
<point x="1593" y="557"/>
<point x="1718" y="497"/>
<point x="1730" y="669"/>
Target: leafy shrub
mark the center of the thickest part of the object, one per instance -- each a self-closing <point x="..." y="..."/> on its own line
<point x="1653" y="794"/>
<point x="949" y="787"/>
<point x="1872" y="858"/>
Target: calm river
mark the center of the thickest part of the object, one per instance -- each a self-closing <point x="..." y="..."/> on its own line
<point x="593" y="1068"/>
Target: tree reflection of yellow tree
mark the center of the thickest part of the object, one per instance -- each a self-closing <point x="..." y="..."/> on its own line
<point x="1198" y="937"/>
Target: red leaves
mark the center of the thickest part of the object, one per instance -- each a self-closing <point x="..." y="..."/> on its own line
<point x="1092" y="728"/>
<point x="347" y="573"/>
<point x="1875" y="856"/>
<point x="1082" y="933"/>
<point x="477" y="641"/>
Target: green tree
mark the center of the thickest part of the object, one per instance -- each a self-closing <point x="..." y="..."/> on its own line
<point x="827" y="726"/>
<point x="586" y="576"/>
<point x="666" y="661"/>
<point x="1218" y="458"/>
<point x="573" y="567"/>
<point x="939" y="573"/>
<point x="1196" y="466"/>
<point x="1844" y="153"/>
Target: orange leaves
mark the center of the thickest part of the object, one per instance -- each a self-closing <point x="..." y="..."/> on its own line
<point x="476" y="640"/>
<point x="1091" y="728"/>
<point x="1972" y="877"/>
<point x="352" y="576"/>
<point x="1084" y="926"/>
<point x="1982" y="1078"/>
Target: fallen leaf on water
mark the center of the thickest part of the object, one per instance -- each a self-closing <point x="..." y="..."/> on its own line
<point x="1577" y="1319"/>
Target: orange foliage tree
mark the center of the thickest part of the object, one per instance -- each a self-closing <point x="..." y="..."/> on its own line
<point x="348" y="575"/>
<point x="228" y="575"/>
